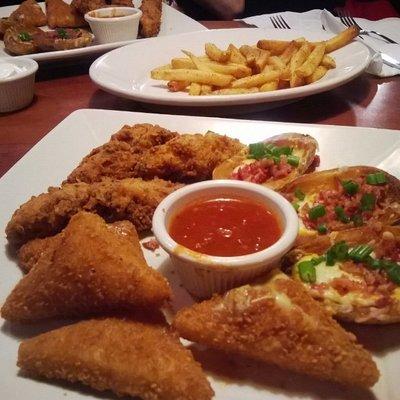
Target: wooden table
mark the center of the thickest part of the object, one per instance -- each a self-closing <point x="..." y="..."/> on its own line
<point x="62" y="88"/>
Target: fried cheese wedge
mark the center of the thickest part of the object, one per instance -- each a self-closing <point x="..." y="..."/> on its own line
<point x="355" y="274"/>
<point x="129" y="357"/>
<point x="276" y="321"/>
<point x="272" y="163"/>
<point x="29" y="13"/>
<point x="343" y="198"/>
<point x="30" y="253"/>
<point x="93" y="270"/>
<point x="62" y="15"/>
<point x="133" y="200"/>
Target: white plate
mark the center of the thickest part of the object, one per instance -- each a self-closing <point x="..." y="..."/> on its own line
<point x="126" y="72"/>
<point x="49" y="162"/>
<point x="172" y="22"/>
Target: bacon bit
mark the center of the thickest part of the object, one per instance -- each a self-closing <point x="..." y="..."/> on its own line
<point x="314" y="165"/>
<point x="151" y="245"/>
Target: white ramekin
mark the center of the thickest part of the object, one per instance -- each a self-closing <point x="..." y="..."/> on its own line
<point x="114" y="29"/>
<point x="201" y="274"/>
<point x="17" y="81"/>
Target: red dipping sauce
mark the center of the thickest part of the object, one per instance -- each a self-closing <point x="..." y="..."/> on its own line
<point x="225" y="226"/>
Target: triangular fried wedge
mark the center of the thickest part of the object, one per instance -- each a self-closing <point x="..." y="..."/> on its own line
<point x="92" y="270"/>
<point x="62" y="15"/>
<point x="277" y="322"/>
<point x="29" y="13"/>
<point x="125" y="356"/>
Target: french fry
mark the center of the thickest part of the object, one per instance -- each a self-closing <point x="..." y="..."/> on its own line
<point x="191" y="75"/>
<point x="177" y="86"/>
<point x="236" y="70"/>
<point x="288" y="52"/>
<point x="260" y="61"/>
<point x="199" y="64"/>
<point x="256" y="80"/>
<point x="328" y="62"/>
<point x="342" y="39"/>
<point x="206" y="89"/>
<point x="194" y="89"/>
<point x="235" y="55"/>
<point x="182" y="63"/>
<point x="236" y="90"/>
<point x="300" y="57"/>
<point x="276" y="47"/>
<point x="319" y="72"/>
<point x="269" y="68"/>
<point x="277" y="63"/>
<point x="286" y="73"/>
<point x="269" y="86"/>
<point x="312" y="62"/>
<point x="283" y="84"/>
<point x="216" y="54"/>
<point x="296" y="80"/>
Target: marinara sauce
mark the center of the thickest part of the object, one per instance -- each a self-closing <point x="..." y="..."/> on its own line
<point x="225" y="226"/>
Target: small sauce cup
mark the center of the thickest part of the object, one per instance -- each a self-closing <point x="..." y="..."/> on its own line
<point x="114" y="24"/>
<point x="202" y="274"/>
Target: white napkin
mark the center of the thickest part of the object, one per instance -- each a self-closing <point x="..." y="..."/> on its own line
<point x="315" y="19"/>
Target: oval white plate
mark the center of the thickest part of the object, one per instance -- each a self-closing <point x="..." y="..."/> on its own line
<point x="125" y="72"/>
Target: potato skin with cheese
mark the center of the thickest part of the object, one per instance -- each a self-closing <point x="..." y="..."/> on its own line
<point x="304" y="145"/>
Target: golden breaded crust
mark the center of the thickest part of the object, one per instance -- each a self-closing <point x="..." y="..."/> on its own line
<point x="47" y="214"/>
<point x="117" y="158"/>
<point x="127" y="357"/>
<point x="29" y="13"/>
<point x="187" y="158"/>
<point x="150" y="21"/>
<point x="93" y="270"/>
<point x="279" y="323"/>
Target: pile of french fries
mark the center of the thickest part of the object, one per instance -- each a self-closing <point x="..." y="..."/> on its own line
<point x="267" y="66"/>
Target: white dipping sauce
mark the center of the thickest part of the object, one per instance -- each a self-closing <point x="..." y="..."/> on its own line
<point x="8" y="70"/>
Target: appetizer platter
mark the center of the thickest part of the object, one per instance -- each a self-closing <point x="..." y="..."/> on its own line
<point x="79" y="254"/>
<point x="59" y="30"/>
<point x="251" y="66"/>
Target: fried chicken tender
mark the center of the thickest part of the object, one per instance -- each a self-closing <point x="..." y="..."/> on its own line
<point x="117" y="158"/>
<point x="84" y="6"/>
<point x="126" y="356"/>
<point x="30" y="253"/>
<point x="279" y="323"/>
<point x="63" y="15"/>
<point x="151" y="19"/>
<point x="29" y="13"/>
<point x="92" y="270"/>
<point x="47" y="214"/>
<point x="187" y="158"/>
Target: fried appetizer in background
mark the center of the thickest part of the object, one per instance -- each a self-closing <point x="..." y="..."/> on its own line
<point x="187" y="158"/>
<point x="62" y="15"/>
<point x="123" y="355"/>
<point x="151" y="18"/>
<point x="343" y="198"/>
<point x="30" y="253"/>
<point x="62" y="39"/>
<point x="84" y="6"/>
<point x="273" y="163"/>
<point x="355" y="274"/>
<point x="117" y="158"/>
<point x="29" y="13"/>
<point x="47" y="214"/>
<point x="93" y="270"/>
<point x="19" y="40"/>
<point x="279" y="323"/>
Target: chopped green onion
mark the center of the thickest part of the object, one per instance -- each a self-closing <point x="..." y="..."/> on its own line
<point x="373" y="263"/>
<point x="357" y="220"/>
<point x="293" y="160"/>
<point x="394" y="273"/>
<point x="296" y="206"/>
<point x="278" y="151"/>
<point x="317" y="260"/>
<point x="307" y="271"/>
<point x="62" y="33"/>
<point x="24" y="37"/>
<point x="350" y="187"/>
<point x="360" y="252"/>
<point x="322" y="229"/>
<point x="367" y="202"/>
<point x="257" y="150"/>
<point x="299" y="194"/>
<point x="317" y="212"/>
<point x="341" y="215"/>
<point x="338" y="252"/>
<point x="276" y="159"/>
<point x="377" y="178"/>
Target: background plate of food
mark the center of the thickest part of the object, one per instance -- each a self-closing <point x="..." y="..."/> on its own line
<point x="58" y="273"/>
<point x="64" y="21"/>
<point x="287" y="64"/>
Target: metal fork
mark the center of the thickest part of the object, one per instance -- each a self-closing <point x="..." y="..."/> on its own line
<point x="278" y="22"/>
<point x="348" y="20"/>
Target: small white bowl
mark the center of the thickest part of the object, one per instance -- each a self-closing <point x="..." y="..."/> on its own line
<point x="114" y="24"/>
<point x="17" y="81"/>
<point x="202" y="274"/>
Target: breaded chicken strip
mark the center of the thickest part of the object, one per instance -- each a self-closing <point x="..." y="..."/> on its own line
<point x="29" y="13"/>
<point x="150" y="21"/>
<point x="117" y="158"/>
<point x="128" y="357"/>
<point x="279" y="323"/>
<point x="92" y="270"/>
<point x="30" y="253"/>
<point x="187" y="158"/>
<point x="47" y="214"/>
